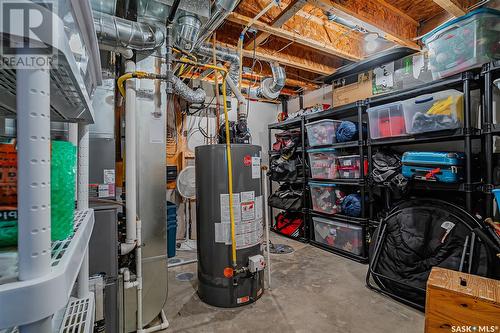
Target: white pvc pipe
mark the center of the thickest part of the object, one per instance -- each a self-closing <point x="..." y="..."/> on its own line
<point x="266" y="222"/>
<point x="33" y="180"/>
<point x="130" y="156"/>
<point x="82" y="202"/>
<point x="237" y="93"/>
<point x="162" y="326"/>
<point x="138" y="272"/>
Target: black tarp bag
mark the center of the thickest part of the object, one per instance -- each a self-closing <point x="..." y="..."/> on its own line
<point x="419" y="234"/>
<point x="287" y="198"/>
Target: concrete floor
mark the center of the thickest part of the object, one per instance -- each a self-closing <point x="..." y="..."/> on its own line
<point x="312" y="291"/>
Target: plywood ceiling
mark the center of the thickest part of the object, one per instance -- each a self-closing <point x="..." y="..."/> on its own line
<point x="298" y="35"/>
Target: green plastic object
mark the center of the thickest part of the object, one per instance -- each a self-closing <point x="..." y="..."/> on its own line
<point x="62" y="197"/>
<point x="62" y="190"/>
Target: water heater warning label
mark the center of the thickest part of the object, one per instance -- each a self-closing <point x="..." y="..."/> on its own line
<point x="247" y="220"/>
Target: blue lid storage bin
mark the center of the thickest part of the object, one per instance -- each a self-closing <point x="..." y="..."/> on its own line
<point x="463" y="43"/>
<point x="325" y="198"/>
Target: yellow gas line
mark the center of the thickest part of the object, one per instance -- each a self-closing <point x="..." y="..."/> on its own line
<point x="144" y="75"/>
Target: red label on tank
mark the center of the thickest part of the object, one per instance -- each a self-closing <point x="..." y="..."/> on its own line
<point x="247" y="160"/>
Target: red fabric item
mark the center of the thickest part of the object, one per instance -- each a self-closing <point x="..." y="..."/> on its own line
<point x="289" y="224"/>
<point x="391" y="126"/>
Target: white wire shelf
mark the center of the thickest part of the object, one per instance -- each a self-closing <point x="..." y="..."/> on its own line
<point x="33" y="300"/>
<point x="69" y="98"/>
<point x="76" y="317"/>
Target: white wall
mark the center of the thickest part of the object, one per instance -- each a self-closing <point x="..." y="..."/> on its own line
<point x="321" y="95"/>
<point x="260" y="114"/>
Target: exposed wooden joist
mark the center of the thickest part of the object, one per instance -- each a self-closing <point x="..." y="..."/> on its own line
<point x="397" y="28"/>
<point x="287" y="60"/>
<point x="288" y="82"/>
<point x="348" y="53"/>
<point x="246" y="83"/>
<point x="293" y="7"/>
<point x="451" y="6"/>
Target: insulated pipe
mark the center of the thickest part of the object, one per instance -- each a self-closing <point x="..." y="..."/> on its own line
<point x="130" y="158"/>
<point x="270" y="88"/>
<point x="118" y="34"/>
<point x="33" y="180"/>
<point x="183" y="90"/>
<point x="223" y="54"/>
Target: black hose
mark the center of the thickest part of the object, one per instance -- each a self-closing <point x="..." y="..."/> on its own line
<point x="173" y="11"/>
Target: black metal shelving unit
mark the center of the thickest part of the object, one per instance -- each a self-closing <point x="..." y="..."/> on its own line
<point x="348" y="111"/>
<point x="295" y="123"/>
<point x="489" y="73"/>
<point x="465" y="82"/>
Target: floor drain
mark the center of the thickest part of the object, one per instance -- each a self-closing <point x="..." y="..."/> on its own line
<point x="174" y="261"/>
<point x="281" y="249"/>
<point x="184" y="276"/>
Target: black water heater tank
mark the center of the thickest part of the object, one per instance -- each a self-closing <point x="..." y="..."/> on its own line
<point x="213" y="223"/>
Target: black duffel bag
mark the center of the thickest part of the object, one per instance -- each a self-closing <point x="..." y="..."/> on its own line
<point x="287" y="198"/>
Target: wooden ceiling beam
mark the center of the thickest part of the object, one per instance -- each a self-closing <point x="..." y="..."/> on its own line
<point x="348" y="52"/>
<point x="452" y="6"/>
<point x="246" y="83"/>
<point x="286" y="60"/>
<point x="288" y="81"/>
<point x="293" y="7"/>
<point x="397" y="28"/>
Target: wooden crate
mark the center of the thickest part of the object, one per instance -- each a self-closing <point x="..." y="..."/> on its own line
<point x="460" y="302"/>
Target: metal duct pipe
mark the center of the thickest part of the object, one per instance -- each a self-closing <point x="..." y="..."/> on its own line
<point x="270" y="88"/>
<point x="220" y="10"/>
<point x="118" y="34"/>
<point x="223" y="54"/>
<point x="190" y="95"/>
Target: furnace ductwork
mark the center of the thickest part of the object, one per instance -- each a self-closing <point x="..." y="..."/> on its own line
<point x="192" y="96"/>
<point x="223" y="54"/>
<point x="270" y="88"/>
<point x="220" y="10"/>
<point x="118" y="34"/>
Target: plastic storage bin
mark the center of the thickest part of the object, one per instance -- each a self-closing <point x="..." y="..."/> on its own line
<point x="343" y="236"/>
<point x="463" y="43"/>
<point x="323" y="163"/>
<point x="434" y="112"/>
<point x="322" y="132"/>
<point x="171" y="229"/>
<point x="349" y="166"/>
<point x="326" y="198"/>
<point x="386" y="120"/>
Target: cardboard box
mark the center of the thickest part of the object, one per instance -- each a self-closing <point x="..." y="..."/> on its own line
<point x="352" y="89"/>
<point x="460" y="302"/>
